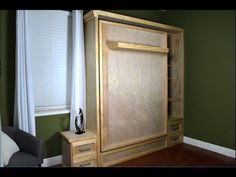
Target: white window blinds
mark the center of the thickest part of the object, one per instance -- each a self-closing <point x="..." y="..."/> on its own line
<point x="51" y="51"/>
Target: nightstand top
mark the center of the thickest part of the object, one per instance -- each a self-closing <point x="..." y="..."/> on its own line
<point x="70" y="136"/>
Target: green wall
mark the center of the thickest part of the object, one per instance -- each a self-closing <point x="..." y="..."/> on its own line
<point x="48" y="128"/>
<point x="209" y="76"/>
<point x="7" y="60"/>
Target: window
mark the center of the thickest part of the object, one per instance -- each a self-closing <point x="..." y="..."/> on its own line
<point x="51" y="53"/>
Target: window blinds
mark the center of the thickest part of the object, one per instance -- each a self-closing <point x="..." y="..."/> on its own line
<point x="51" y="51"/>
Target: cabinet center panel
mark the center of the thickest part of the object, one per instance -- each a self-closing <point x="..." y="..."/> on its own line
<point x="134" y="90"/>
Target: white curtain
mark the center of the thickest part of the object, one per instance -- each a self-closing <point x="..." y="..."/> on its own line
<point x="24" y="118"/>
<point x="78" y="95"/>
<point x="1" y="159"/>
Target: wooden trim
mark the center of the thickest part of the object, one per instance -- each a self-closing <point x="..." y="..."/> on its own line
<point x="165" y="63"/>
<point x="177" y="73"/>
<point x="84" y="158"/>
<point x="183" y="78"/>
<point x="71" y="154"/>
<point x="130" y="26"/>
<point x="91" y="162"/>
<point x="174" y="133"/>
<point x="70" y="136"/>
<point x="137" y="47"/>
<point x="172" y="119"/>
<point x="97" y="55"/>
<point x="132" y="157"/>
<point x="103" y="90"/>
<point x="135" y="141"/>
<point x="130" y="20"/>
<point x="135" y="145"/>
<point x="101" y="84"/>
<point x="88" y="16"/>
<point x="84" y="142"/>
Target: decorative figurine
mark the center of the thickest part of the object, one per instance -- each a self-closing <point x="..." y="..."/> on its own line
<point x="79" y="123"/>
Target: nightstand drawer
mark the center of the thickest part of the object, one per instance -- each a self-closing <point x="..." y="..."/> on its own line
<point x="87" y="163"/>
<point x="84" y="148"/>
<point x="79" y="150"/>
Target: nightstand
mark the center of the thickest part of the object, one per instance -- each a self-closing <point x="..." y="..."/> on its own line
<point x="79" y="150"/>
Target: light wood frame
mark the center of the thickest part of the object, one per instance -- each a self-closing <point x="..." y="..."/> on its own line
<point x="103" y="51"/>
<point x="176" y="45"/>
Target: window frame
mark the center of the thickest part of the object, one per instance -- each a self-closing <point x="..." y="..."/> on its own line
<point x="54" y="110"/>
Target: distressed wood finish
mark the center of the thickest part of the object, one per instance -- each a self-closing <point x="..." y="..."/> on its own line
<point x="91" y="75"/>
<point x="177" y="73"/>
<point x="137" y="47"/>
<point x="93" y="78"/>
<point x="133" y="151"/>
<point x="88" y="157"/>
<point x="95" y="71"/>
<point x="66" y="153"/>
<point x="84" y="148"/>
<point x="70" y="136"/>
<point x="130" y="20"/>
<point x="87" y="163"/>
<point x="142" y="102"/>
<point x="77" y="149"/>
<point x="175" y="131"/>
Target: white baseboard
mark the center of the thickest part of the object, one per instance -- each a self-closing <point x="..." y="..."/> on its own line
<point x="52" y="161"/>
<point x="210" y="147"/>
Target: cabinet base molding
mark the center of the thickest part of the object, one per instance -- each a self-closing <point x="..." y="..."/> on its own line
<point x="130" y="152"/>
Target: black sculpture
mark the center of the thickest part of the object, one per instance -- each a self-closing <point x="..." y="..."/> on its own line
<point x="79" y="119"/>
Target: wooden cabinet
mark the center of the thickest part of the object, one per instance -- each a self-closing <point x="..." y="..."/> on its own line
<point x="79" y="150"/>
<point x="134" y="85"/>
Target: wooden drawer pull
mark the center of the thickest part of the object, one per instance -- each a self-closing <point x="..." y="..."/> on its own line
<point x="84" y="150"/>
<point x="85" y="164"/>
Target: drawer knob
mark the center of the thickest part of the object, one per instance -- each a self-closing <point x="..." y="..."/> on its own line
<point x="85" y="164"/>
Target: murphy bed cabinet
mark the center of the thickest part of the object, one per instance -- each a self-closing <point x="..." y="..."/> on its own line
<point x="134" y="85"/>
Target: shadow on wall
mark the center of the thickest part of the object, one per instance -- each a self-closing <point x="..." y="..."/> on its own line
<point x="48" y="128"/>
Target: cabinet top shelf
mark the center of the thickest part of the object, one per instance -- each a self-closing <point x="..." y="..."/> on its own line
<point x="70" y="136"/>
<point x="137" y="47"/>
<point x="104" y="15"/>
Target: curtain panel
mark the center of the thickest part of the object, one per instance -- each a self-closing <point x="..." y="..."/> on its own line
<point x="78" y="90"/>
<point x="24" y="117"/>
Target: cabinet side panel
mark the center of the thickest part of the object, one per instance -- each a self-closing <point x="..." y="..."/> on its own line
<point x="90" y="60"/>
<point x="66" y="153"/>
<point x="177" y="73"/>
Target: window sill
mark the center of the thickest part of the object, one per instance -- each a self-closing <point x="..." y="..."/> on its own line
<point x="51" y="112"/>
